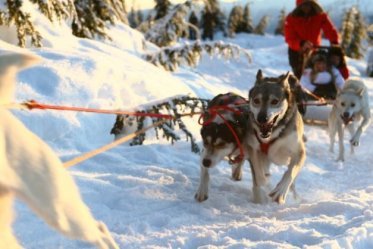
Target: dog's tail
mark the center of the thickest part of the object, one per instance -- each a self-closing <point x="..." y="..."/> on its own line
<point x="10" y="64"/>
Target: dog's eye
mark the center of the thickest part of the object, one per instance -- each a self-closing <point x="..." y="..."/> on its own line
<point x="343" y="104"/>
<point x="256" y="101"/>
<point x="352" y="104"/>
<point x="274" y="102"/>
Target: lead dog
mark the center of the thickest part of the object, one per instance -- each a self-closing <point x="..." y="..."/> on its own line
<point x="223" y="132"/>
<point x="32" y="172"/>
<point x="350" y="110"/>
<point x="276" y="136"/>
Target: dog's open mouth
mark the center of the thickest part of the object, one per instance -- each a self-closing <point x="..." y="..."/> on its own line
<point x="266" y="129"/>
<point x="346" y="120"/>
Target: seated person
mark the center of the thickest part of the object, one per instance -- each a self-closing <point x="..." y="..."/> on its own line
<point x="322" y="79"/>
<point x="336" y="58"/>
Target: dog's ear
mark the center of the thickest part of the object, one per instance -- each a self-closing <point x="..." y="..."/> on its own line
<point x="284" y="80"/>
<point x="360" y="92"/>
<point x="259" y="77"/>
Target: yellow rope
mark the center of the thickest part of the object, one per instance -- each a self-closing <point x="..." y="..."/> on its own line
<point x="104" y="148"/>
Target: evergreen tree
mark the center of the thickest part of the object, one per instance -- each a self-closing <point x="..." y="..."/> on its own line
<point x="358" y="35"/>
<point x="235" y="21"/>
<point x="281" y="23"/>
<point x="211" y="19"/>
<point x="170" y="28"/>
<point x="262" y="25"/>
<point x="347" y="29"/>
<point x="133" y="18"/>
<point x="193" y="30"/>
<point x="161" y="8"/>
<point x="93" y="16"/>
<point x="248" y="22"/>
<point x="13" y="14"/>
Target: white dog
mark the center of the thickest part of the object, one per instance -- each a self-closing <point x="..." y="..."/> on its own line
<point x="32" y="172"/>
<point x="351" y="110"/>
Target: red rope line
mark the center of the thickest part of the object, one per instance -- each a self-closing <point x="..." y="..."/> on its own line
<point x="32" y="104"/>
<point x="214" y="111"/>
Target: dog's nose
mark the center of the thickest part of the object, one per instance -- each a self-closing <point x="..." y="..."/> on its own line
<point x="346" y="115"/>
<point x="262" y="118"/>
<point x="206" y="163"/>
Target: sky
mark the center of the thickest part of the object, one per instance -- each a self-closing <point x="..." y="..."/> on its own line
<point x="145" y="194"/>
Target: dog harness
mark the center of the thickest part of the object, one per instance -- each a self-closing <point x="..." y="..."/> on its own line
<point x="264" y="147"/>
<point x="214" y="111"/>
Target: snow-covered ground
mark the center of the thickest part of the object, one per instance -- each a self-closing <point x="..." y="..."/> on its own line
<point x="145" y="194"/>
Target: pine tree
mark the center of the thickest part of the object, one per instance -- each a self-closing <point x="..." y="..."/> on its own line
<point x="161" y="8"/>
<point x="194" y="30"/>
<point x="281" y="23"/>
<point x="211" y="19"/>
<point x="235" y="21"/>
<point x="93" y="16"/>
<point x="358" y="35"/>
<point x="170" y="28"/>
<point x="132" y="18"/>
<point x="13" y="14"/>
<point x="248" y="22"/>
<point x="262" y="25"/>
<point x="347" y="29"/>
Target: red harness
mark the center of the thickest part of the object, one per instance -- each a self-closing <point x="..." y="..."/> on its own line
<point x="264" y="147"/>
<point x="213" y="112"/>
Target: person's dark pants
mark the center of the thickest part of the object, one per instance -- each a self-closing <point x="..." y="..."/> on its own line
<point x="296" y="62"/>
<point x="327" y="91"/>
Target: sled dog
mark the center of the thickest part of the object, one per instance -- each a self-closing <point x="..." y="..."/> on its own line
<point x="32" y="172"/>
<point x="223" y="133"/>
<point x="350" y="110"/>
<point x="276" y="136"/>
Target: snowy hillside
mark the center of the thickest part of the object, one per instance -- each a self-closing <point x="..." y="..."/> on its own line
<point x="145" y="194"/>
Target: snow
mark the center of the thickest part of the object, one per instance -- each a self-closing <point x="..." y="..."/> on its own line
<point x="145" y="194"/>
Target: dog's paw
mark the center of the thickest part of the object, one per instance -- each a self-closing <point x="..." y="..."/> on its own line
<point x="354" y="142"/>
<point x="278" y="194"/>
<point x="200" y="197"/>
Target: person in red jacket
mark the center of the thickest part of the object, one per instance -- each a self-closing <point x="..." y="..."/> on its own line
<point x="303" y="29"/>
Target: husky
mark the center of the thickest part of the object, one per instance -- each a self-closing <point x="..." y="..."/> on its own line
<point x="276" y="136"/>
<point x="350" y="110"/>
<point x="223" y="133"/>
<point x="32" y="172"/>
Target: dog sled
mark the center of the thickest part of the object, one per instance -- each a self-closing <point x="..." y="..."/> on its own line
<point x="318" y="104"/>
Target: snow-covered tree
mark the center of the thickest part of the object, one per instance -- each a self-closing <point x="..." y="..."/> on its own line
<point x="353" y="33"/>
<point x="170" y="58"/>
<point x="262" y="25"/>
<point x="212" y="19"/>
<point x="170" y="28"/>
<point x="161" y="8"/>
<point x="12" y="13"/>
<point x="133" y="18"/>
<point x="235" y="21"/>
<point x="281" y="22"/>
<point x="194" y="30"/>
<point x="247" y="20"/>
<point x="355" y="49"/>
<point x="347" y="28"/>
<point x="94" y="15"/>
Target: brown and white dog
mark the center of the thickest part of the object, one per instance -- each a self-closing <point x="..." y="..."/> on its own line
<point x="223" y="132"/>
<point x="32" y="172"/>
<point x="276" y="136"/>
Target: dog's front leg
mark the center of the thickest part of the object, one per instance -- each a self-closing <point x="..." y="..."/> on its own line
<point x="7" y="239"/>
<point x="237" y="171"/>
<point x="202" y="193"/>
<point x="281" y="190"/>
<point x="332" y="124"/>
<point x="340" y="142"/>
<point x="355" y="140"/>
<point x="259" y="170"/>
